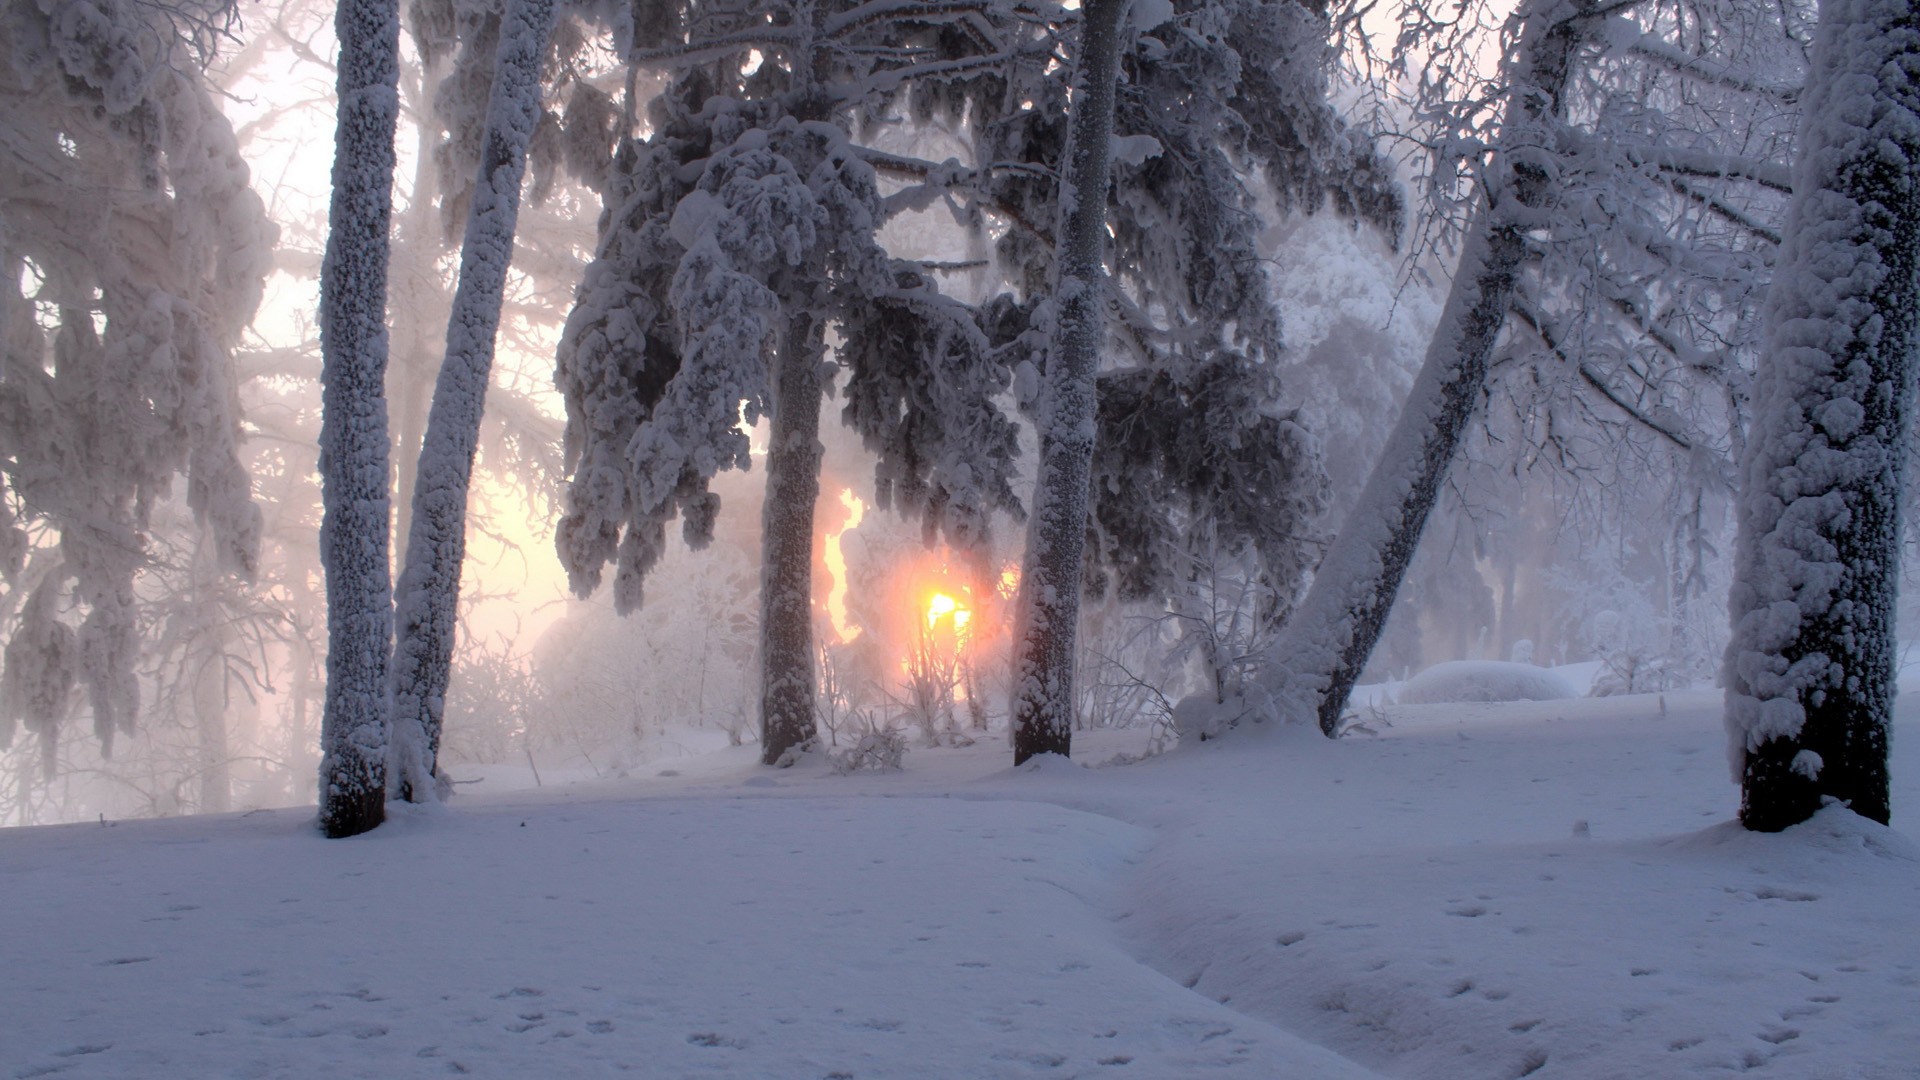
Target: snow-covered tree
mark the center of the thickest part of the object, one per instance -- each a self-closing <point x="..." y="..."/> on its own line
<point x="1621" y="223"/>
<point x="1810" y="670"/>
<point x="737" y="233"/>
<point x="353" y="434"/>
<point x="1049" y="606"/>
<point x="131" y="256"/>
<point x="1221" y="120"/>
<point x="429" y="587"/>
<point x="1332" y="634"/>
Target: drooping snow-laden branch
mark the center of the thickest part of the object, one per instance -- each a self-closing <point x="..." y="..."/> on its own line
<point x="1530" y="317"/>
<point x="1709" y="70"/>
<point x="127" y="219"/>
<point x="1723" y="209"/>
<point x="950" y="178"/>
<point x="876" y="11"/>
<point x="705" y="50"/>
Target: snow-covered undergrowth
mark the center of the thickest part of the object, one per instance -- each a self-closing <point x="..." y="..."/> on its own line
<point x="1479" y="891"/>
<point x="1485" y="680"/>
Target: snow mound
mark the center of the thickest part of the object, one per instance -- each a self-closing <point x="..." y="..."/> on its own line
<point x="1484" y="680"/>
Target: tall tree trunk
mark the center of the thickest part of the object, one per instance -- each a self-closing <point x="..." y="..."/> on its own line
<point x="429" y="593"/>
<point x="786" y="518"/>
<point x="1048" y="621"/>
<point x="209" y="688"/>
<point x="1810" y="667"/>
<point x="210" y="725"/>
<point x="353" y="424"/>
<point x="1316" y="662"/>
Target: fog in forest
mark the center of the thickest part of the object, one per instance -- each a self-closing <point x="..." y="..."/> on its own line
<point x="1578" y="530"/>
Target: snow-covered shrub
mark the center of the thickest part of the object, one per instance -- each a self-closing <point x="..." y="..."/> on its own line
<point x="881" y="749"/>
<point x="1636" y="653"/>
<point x="1484" y="680"/>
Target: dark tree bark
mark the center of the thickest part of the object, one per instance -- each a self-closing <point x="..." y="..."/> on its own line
<point x="353" y="426"/>
<point x="1048" y="621"/>
<point x="1810" y="668"/>
<point x="786" y="518"/>
<point x="429" y="594"/>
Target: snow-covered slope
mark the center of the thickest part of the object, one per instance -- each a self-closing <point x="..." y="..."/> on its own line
<point x="1545" y="889"/>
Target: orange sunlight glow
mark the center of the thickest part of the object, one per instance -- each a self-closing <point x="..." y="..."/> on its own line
<point x="836" y="560"/>
<point x="940" y="606"/>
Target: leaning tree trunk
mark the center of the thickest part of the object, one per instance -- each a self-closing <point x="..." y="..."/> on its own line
<point x="1049" y="616"/>
<point x="1316" y="661"/>
<point x="353" y="421"/>
<point x="1810" y="667"/>
<point x="786" y="519"/>
<point x="429" y="593"/>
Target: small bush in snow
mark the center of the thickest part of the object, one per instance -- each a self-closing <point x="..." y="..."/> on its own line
<point x="1484" y="680"/>
<point x="879" y="750"/>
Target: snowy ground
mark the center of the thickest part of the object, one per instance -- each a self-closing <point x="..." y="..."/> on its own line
<point x="1545" y="889"/>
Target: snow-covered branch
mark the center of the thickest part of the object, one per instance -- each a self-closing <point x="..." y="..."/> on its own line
<point x="1658" y="49"/>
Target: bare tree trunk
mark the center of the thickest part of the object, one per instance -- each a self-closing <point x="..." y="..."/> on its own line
<point x="353" y="427"/>
<point x="1048" y="621"/>
<point x="1316" y="662"/>
<point x="1810" y="668"/>
<point x="786" y="559"/>
<point x="429" y="594"/>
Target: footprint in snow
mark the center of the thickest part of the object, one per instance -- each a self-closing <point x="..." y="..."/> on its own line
<point x="714" y="1039"/>
<point x="1769" y="892"/>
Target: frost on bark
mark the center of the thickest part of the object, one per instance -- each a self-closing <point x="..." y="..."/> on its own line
<point x="429" y="590"/>
<point x="353" y="426"/>
<point x="1049" y="613"/>
<point x="1320" y="656"/>
<point x="1810" y="668"/>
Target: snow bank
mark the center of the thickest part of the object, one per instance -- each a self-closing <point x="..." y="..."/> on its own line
<point x="1485" y="680"/>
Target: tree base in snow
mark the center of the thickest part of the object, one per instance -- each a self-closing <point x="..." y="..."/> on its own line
<point x="1787" y="781"/>
<point x="345" y="816"/>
